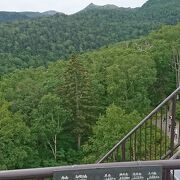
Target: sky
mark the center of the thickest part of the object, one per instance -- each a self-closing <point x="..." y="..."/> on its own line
<point x="65" y="6"/>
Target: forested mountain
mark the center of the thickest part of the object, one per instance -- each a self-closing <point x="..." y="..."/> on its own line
<point x="11" y="16"/>
<point x="158" y="3"/>
<point x="96" y="7"/>
<point x="33" y="43"/>
<point x="38" y="14"/>
<point x="17" y="16"/>
<point x="73" y="111"/>
<point x="69" y="112"/>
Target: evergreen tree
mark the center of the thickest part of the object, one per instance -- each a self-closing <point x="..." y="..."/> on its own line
<point x="79" y="99"/>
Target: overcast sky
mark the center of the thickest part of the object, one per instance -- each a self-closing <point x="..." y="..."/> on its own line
<point x="65" y="6"/>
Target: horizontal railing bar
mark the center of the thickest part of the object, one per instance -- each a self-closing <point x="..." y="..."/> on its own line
<point x="28" y="173"/>
<point x="48" y="172"/>
<point x="141" y="123"/>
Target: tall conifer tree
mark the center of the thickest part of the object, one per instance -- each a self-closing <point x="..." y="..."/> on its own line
<point x="79" y="99"/>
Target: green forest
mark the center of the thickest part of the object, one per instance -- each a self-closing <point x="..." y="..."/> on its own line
<point x="34" y="43"/>
<point x="69" y="90"/>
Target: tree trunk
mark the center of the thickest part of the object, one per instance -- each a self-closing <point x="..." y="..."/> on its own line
<point x="55" y="147"/>
<point x="79" y="141"/>
<point x="77" y="113"/>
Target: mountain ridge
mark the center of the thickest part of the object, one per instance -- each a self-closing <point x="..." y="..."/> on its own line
<point x="93" y="6"/>
<point x="10" y="16"/>
<point x="40" y="41"/>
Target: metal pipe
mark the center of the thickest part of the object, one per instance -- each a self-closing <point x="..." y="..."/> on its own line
<point x="49" y="171"/>
<point x="173" y="124"/>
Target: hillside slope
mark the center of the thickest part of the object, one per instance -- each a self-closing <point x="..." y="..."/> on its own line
<point x="6" y="16"/>
<point x="11" y="16"/>
<point x="37" y="42"/>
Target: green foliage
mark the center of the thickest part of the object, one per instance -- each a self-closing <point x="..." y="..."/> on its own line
<point x="14" y="138"/>
<point x="178" y="111"/>
<point x="47" y="125"/>
<point x="11" y="16"/>
<point x="129" y="79"/>
<point x="79" y="98"/>
<point x="110" y="128"/>
<point x="34" y="43"/>
<point x="60" y="104"/>
<point x="26" y="15"/>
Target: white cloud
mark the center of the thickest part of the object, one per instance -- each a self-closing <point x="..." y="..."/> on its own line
<point x="66" y="6"/>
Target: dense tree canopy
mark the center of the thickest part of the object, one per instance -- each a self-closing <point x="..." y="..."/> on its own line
<point x="69" y="112"/>
<point x="14" y="138"/>
<point x="6" y="16"/>
<point x="108" y="131"/>
<point x="33" y="43"/>
<point x="58" y="106"/>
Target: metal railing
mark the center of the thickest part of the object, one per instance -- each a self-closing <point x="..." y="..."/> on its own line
<point x="169" y="167"/>
<point x="155" y="137"/>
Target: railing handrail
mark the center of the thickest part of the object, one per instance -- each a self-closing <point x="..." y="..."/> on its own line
<point x="49" y="171"/>
<point x="140" y="124"/>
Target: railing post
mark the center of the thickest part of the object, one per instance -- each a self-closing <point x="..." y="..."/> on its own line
<point x="173" y="124"/>
<point x="123" y="151"/>
<point x="166" y="174"/>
